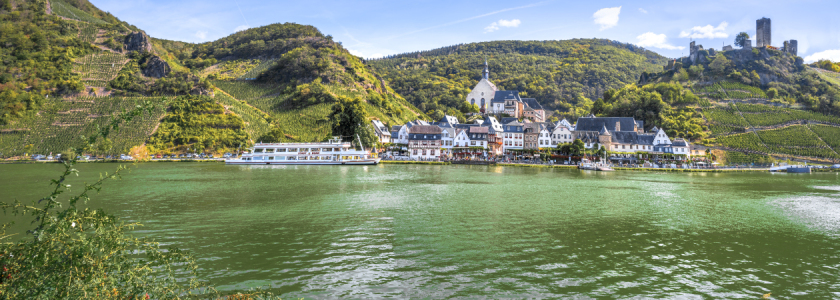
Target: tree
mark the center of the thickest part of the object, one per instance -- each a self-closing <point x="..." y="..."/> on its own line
<point x="577" y="148"/>
<point x="772" y="92"/>
<point x="741" y="39"/>
<point x="720" y="65"/>
<point x="351" y="119"/>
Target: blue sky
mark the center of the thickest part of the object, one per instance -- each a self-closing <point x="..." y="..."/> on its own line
<point x="374" y="28"/>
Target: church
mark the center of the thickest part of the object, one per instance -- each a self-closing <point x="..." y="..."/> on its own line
<point x="490" y="100"/>
<point x="483" y="92"/>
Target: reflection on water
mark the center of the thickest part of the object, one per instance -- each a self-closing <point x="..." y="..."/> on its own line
<point x="475" y="231"/>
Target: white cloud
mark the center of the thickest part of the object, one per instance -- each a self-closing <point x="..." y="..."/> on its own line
<point x="706" y="32"/>
<point x="502" y="23"/>
<point x="377" y="55"/>
<point x="201" y="34"/>
<point x="356" y="52"/>
<point x="832" y="55"/>
<point x="241" y="28"/>
<point x="607" y="17"/>
<point x="650" y="39"/>
<point x="511" y="23"/>
<point x="642" y="10"/>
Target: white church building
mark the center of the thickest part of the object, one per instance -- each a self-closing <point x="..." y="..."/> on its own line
<point x="483" y="92"/>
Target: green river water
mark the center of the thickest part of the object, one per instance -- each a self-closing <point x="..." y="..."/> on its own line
<point x="424" y="231"/>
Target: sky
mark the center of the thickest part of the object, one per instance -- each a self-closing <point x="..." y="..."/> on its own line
<point x="373" y="28"/>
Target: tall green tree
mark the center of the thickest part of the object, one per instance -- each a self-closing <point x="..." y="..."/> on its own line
<point x="350" y="118"/>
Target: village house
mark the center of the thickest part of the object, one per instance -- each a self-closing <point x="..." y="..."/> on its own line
<point x="382" y="131"/>
<point x="530" y="136"/>
<point x="513" y="136"/>
<point x="424" y="141"/>
<point x="562" y="133"/>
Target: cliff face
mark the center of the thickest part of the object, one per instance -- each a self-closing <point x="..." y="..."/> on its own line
<point x="156" y="67"/>
<point x="138" y="41"/>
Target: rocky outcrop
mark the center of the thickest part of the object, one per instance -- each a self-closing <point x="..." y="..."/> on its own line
<point x="138" y="41"/>
<point x="156" y="67"/>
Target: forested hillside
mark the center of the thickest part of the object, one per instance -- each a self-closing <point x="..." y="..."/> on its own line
<point x="567" y="76"/>
<point x="69" y="66"/>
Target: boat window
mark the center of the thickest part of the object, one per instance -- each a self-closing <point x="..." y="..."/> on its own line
<point x="269" y="150"/>
<point x="258" y="158"/>
<point x="271" y="158"/>
<point x="336" y="149"/>
<point x="258" y="150"/>
<point x="281" y="150"/>
<point x="326" y="149"/>
<point x="303" y="150"/>
<point x="292" y="149"/>
<point x="292" y="158"/>
<point x="281" y="158"/>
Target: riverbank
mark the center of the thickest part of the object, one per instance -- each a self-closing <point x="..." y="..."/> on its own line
<point x="411" y="162"/>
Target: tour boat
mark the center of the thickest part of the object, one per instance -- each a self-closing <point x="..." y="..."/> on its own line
<point x="332" y="152"/>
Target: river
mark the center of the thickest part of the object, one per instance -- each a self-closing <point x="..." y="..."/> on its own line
<point x="480" y="231"/>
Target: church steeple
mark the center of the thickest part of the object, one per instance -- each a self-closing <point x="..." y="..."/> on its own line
<point x="486" y="70"/>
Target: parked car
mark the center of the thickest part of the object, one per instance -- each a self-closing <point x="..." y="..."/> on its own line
<point x="180" y="155"/>
<point x="836" y="166"/>
<point x="227" y="155"/>
<point x="158" y="156"/>
<point x="189" y="155"/>
<point x="211" y="156"/>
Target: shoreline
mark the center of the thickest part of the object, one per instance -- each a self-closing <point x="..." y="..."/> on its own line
<point x="397" y="162"/>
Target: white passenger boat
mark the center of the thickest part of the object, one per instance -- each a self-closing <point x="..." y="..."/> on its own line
<point x="332" y="152"/>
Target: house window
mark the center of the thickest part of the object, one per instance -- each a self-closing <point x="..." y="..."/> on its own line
<point x="472" y="143"/>
<point x="424" y="151"/>
<point x="414" y="152"/>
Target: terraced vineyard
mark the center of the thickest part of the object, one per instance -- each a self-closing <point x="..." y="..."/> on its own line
<point x="309" y="124"/>
<point x="767" y="115"/>
<point x="256" y="121"/>
<point x="63" y="9"/>
<point x="745" y="141"/>
<point x="99" y="68"/>
<point x="730" y="90"/>
<point x="796" y="140"/>
<point x="724" y="119"/>
<point x="60" y="125"/>
<point x="87" y="32"/>
<point x="829" y="134"/>
<point x="256" y="71"/>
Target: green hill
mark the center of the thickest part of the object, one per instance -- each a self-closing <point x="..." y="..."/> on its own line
<point x="71" y="66"/>
<point x="760" y="102"/>
<point x="563" y="75"/>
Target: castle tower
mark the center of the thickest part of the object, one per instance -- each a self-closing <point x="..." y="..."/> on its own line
<point x="486" y="70"/>
<point x="762" y="32"/>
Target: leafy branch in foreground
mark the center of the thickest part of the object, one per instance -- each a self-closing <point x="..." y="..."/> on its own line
<point x="75" y="252"/>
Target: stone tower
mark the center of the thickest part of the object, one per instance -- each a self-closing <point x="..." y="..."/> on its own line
<point x="604" y="137"/>
<point x="762" y="32"/>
